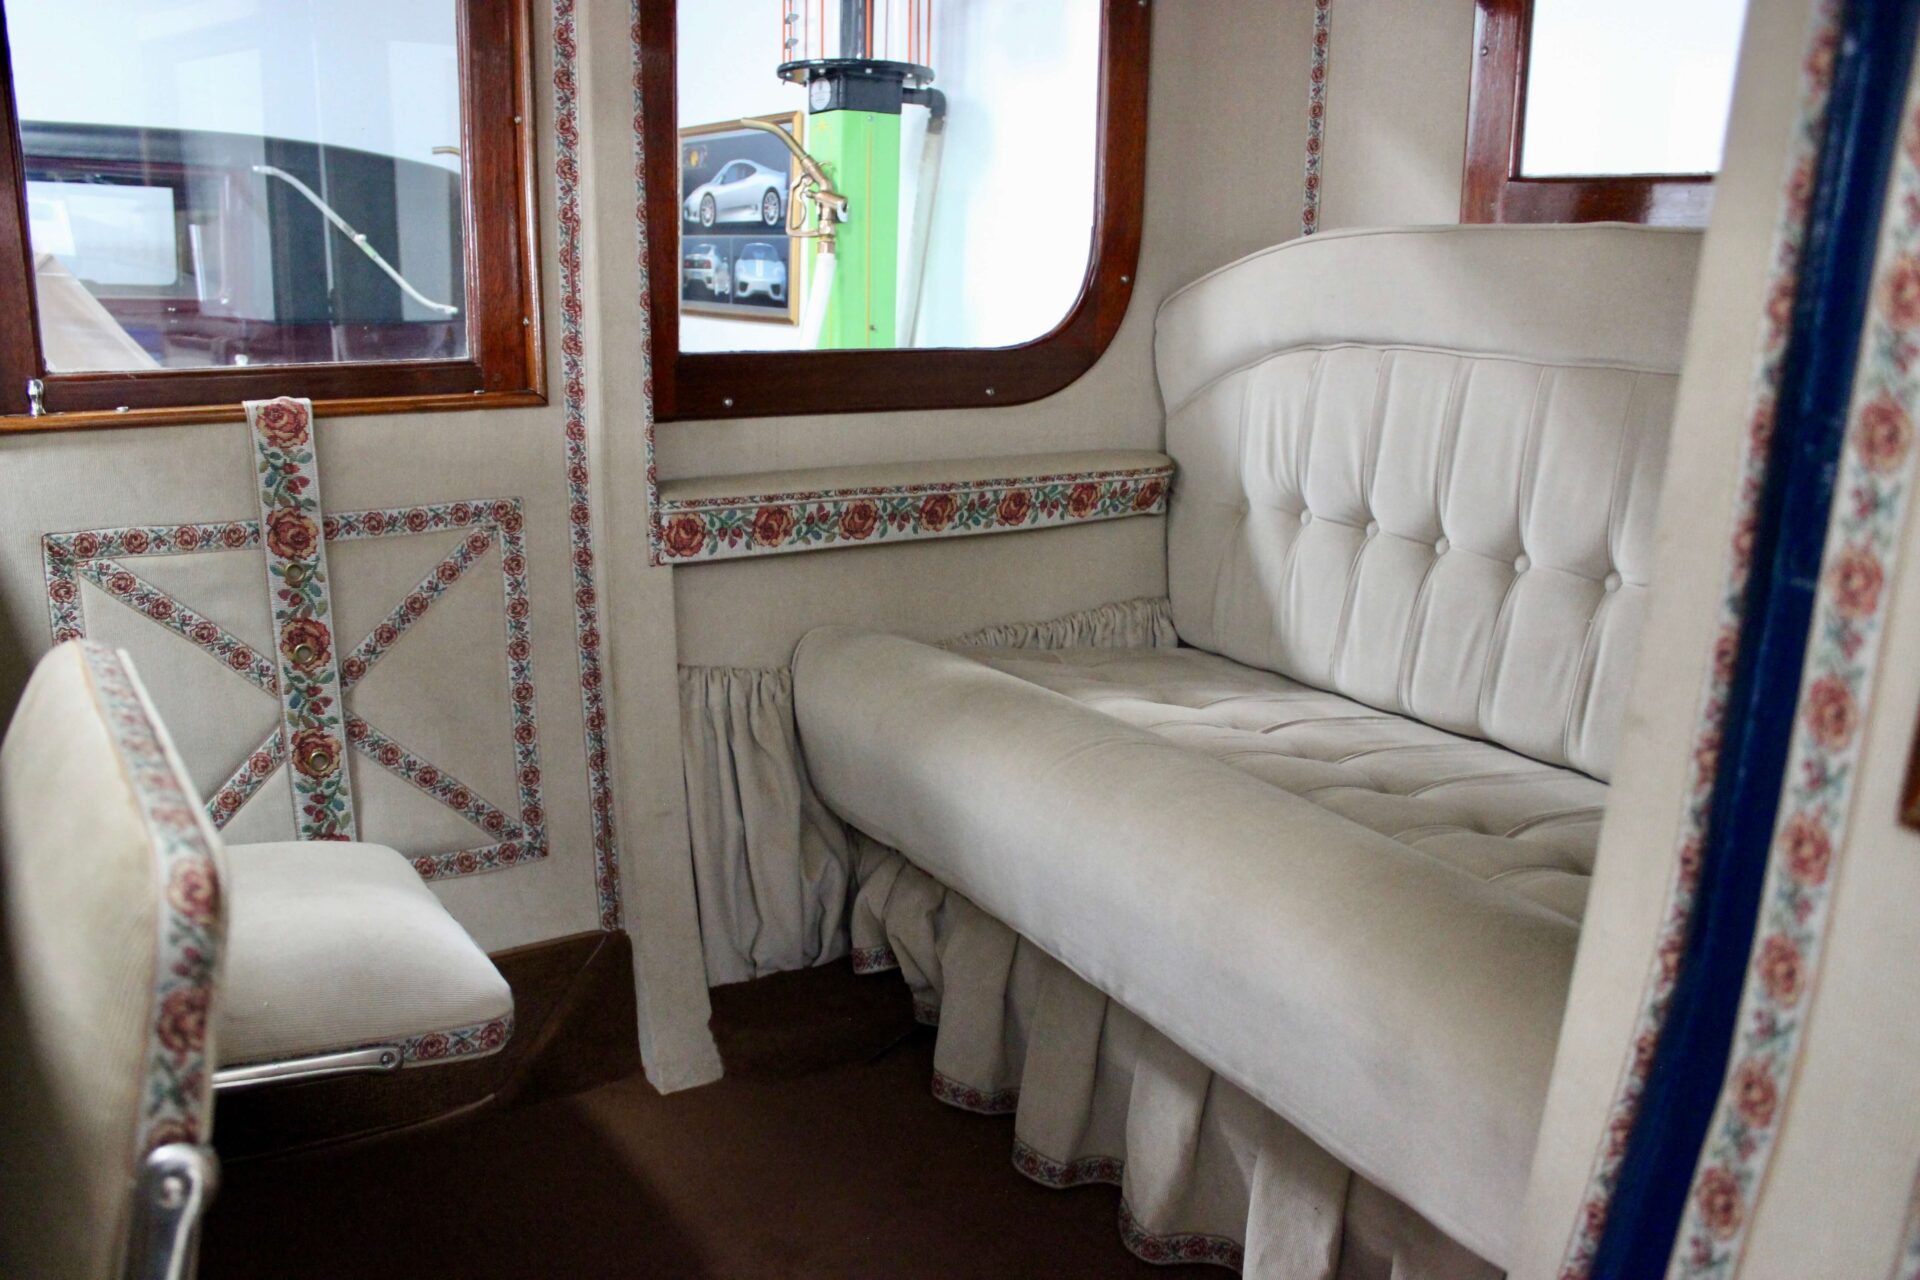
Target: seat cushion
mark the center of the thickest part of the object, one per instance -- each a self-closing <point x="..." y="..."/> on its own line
<point x="1528" y="827"/>
<point x="1400" y="1011"/>
<point x="334" y="945"/>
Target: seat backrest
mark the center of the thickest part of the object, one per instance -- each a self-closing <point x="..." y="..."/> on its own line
<point x="1420" y="467"/>
<point x="112" y="916"/>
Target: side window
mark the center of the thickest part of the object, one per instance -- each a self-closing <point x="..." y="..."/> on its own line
<point x="1584" y="110"/>
<point x="204" y="200"/>
<point x="899" y="200"/>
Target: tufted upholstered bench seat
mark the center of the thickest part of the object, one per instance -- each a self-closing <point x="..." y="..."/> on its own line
<point x="1335" y="847"/>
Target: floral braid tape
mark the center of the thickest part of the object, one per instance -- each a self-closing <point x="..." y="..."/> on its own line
<point x="297" y="587"/>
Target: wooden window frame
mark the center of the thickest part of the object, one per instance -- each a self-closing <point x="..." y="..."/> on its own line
<point x="716" y="385"/>
<point x="505" y="363"/>
<point x="1494" y="189"/>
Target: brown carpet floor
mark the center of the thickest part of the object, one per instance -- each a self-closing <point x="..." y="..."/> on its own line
<point x="796" y="1165"/>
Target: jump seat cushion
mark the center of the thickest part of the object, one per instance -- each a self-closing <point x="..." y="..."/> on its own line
<point x="334" y="945"/>
<point x="1335" y="849"/>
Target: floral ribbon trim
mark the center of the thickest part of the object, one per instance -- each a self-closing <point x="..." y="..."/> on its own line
<point x="176" y="1100"/>
<point x="1062" y="1174"/>
<point x="1149" y="1246"/>
<point x="1803" y="154"/>
<point x="86" y="556"/>
<point x="878" y="959"/>
<point x="298" y="589"/>
<point x="1862" y="548"/>
<point x="573" y="349"/>
<point x="728" y="528"/>
<point x="964" y="1096"/>
<point x="476" y="1041"/>
<point x="1180" y="1246"/>
<point x="1316" y="114"/>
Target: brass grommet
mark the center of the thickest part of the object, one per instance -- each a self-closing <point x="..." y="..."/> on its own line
<point x="304" y="654"/>
<point x="297" y="575"/>
<point x="319" y="761"/>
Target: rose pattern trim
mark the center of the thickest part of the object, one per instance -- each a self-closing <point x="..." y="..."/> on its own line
<point x="1316" y="114"/>
<point x="729" y="528"/>
<point x="1149" y="1246"/>
<point x="1180" y="1246"/>
<point x="878" y="959"/>
<point x="997" y="1102"/>
<point x="493" y="521"/>
<point x="176" y="1099"/>
<point x="1789" y="238"/>
<point x="1876" y="476"/>
<point x="573" y="346"/>
<point x="144" y="598"/>
<point x="476" y="1041"/>
<point x="299" y="590"/>
<point x="1062" y="1174"/>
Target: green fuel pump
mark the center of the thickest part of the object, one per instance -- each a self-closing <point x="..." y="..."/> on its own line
<point x="854" y="107"/>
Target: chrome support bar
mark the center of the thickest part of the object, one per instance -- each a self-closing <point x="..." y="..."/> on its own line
<point x="380" y="1057"/>
<point x="175" y="1183"/>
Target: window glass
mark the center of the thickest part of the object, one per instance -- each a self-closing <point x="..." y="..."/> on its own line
<point x="1629" y="86"/>
<point x="254" y="182"/>
<point x="963" y="137"/>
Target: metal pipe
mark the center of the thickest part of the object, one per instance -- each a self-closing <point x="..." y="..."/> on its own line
<point x="359" y="239"/>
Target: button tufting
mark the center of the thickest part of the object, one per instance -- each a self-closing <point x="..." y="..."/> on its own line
<point x="1521" y="564"/>
<point x="1306" y="517"/>
<point x="1612" y="582"/>
<point x="1373" y="527"/>
<point x="1440" y="547"/>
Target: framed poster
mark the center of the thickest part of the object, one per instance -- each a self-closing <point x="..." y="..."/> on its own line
<point x="737" y="261"/>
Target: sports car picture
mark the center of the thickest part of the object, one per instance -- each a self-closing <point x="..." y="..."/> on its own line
<point x="743" y="191"/>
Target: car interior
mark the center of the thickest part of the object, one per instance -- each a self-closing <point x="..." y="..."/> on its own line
<point x="959" y="638"/>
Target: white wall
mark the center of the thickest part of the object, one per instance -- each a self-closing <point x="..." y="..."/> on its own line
<point x="370" y="74"/>
<point x="1013" y="215"/>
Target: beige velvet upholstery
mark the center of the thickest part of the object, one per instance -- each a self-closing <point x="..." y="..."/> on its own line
<point x="1341" y="857"/>
<point x="336" y="945"/>
<point x="82" y="876"/>
<point x="1428" y="481"/>
<point x="1401" y="1014"/>
<point x="1529" y="828"/>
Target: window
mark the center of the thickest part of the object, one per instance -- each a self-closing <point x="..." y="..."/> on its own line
<point x="985" y="249"/>
<point x="219" y="202"/>
<point x="1585" y="110"/>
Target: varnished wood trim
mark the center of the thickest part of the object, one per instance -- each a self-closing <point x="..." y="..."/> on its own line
<point x="188" y="415"/>
<point x="575" y="1028"/>
<point x="1910" y="790"/>
<point x="761" y="384"/>
<point x="1492" y="188"/>
<point x="506" y="364"/>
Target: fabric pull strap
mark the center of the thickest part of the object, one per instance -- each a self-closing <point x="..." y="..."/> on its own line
<point x="292" y="531"/>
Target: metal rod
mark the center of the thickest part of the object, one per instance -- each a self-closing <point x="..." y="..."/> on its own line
<point x="382" y="1057"/>
<point x="360" y="240"/>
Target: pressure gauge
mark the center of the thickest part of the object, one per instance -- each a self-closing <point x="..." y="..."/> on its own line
<point x="820" y="94"/>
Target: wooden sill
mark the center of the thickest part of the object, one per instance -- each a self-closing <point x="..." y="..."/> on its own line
<point x="186" y="415"/>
